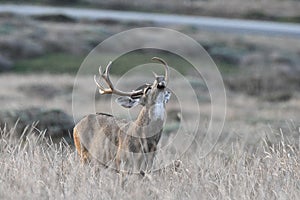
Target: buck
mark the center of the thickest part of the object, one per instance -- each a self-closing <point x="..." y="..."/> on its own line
<point x="118" y="143"/>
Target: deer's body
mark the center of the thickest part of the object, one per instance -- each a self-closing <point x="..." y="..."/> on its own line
<point x="119" y="143"/>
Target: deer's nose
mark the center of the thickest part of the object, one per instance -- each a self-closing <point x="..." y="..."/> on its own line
<point x="161" y="85"/>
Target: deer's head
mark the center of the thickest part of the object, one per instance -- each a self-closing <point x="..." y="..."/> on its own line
<point x="146" y="95"/>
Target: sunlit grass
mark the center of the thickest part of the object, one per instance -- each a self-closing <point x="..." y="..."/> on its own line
<point x="35" y="168"/>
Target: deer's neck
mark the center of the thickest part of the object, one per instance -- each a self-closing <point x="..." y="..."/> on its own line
<point x="151" y="114"/>
<point x="149" y="122"/>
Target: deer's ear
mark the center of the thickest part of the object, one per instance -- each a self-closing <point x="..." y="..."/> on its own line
<point x="127" y="102"/>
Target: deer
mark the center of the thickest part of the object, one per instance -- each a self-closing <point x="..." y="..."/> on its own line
<point x="122" y="144"/>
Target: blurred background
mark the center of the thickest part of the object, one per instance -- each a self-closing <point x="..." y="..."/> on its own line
<point x="43" y="43"/>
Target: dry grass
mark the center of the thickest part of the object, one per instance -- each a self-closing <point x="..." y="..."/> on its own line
<point x="257" y="156"/>
<point x="253" y="159"/>
<point x="20" y="91"/>
<point x="36" y="169"/>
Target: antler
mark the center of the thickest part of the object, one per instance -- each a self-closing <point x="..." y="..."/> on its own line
<point x="165" y="66"/>
<point x="112" y="89"/>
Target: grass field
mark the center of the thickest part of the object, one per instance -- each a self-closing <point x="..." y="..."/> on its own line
<point x="54" y="63"/>
<point x="257" y="155"/>
<point x="36" y="169"/>
<point x="57" y="63"/>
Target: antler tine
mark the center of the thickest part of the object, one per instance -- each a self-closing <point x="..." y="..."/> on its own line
<point x="102" y="90"/>
<point x="111" y="89"/>
<point x="108" y="68"/>
<point x="165" y="66"/>
<point x="105" y="76"/>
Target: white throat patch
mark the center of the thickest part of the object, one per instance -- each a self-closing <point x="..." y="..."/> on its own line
<point x="158" y="111"/>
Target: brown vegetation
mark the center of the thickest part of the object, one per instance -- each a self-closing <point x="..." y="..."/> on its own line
<point x="33" y="170"/>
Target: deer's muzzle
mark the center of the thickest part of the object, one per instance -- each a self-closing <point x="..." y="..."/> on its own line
<point x="161" y="85"/>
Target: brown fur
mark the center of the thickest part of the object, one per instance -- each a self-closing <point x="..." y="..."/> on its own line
<point x="84" y="154"/>
<point x="121" y="144"/>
